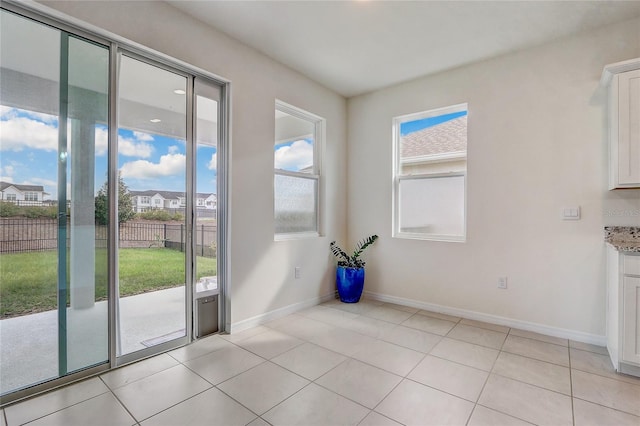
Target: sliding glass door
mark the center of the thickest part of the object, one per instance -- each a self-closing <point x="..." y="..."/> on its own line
<point x="53" y="154"/>
<point x="108" y="204"/>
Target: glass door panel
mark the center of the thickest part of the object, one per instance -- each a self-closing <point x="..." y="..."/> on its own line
<point x="153" y="236"/>
<point x="86" y="164"/>
<point x="206" y="201"/>
<point x="53" y="267"/>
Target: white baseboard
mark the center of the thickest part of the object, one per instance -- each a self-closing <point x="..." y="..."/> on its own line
<point x="563" y="333"/>
<point x="277" y="313"/>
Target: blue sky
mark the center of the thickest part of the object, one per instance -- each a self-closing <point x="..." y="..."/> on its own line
<point x="414" y="126"/>
<point x="29" y="155"/>
<point x="29" y="150"/>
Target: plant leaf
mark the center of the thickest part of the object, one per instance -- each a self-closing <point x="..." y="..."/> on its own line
<point x="354" y="260"/>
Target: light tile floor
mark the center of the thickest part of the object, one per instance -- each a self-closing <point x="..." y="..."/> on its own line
<point x="366" y="364"/>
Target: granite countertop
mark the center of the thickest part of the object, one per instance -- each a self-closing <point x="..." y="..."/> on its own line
<point x="623" y="238"/>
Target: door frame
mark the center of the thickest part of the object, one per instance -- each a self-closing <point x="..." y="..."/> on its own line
<point x="73" y="26"/>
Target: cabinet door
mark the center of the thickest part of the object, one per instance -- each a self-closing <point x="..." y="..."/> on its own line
<point x="631" y="320"/>
<point x="629" y="128"/>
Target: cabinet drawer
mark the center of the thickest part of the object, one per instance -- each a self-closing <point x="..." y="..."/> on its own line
<point x="631" y="264"/>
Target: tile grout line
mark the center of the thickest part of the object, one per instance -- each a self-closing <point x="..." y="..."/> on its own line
<point x="599" y="374"/>
<point x="609" y="408"/>
<point x="484" y="385"/>
<point x="153" y="374"/>
<point x="348" y="358"/>
<point x="534" y="359"/>
<point x="215" y="386"/>
<point x="62" y="408"/>
<point x="119" y="401"/>
<point x="573" y="408"/>
<point x="241" y="404"/>
<point x="351" y="357"/>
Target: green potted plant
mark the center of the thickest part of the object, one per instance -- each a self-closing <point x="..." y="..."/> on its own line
<point x="350" y="270"/>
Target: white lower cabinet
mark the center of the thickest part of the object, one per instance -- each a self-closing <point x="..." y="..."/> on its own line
<point x="631" y="319"/>
<point x="623" y="310"/>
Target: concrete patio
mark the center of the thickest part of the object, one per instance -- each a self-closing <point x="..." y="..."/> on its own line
<point x="29" y="350"/>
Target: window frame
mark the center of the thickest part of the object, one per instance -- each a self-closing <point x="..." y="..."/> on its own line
<point x="319" y="126"/>
<point x="398" y="176"/>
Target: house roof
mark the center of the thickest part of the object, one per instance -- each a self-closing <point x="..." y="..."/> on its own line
<point x="167" y="195"/>
<point x="450" y="136"/>
<point x="23" y="188"/>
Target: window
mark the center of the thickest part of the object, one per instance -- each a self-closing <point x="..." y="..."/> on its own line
<point x="144" y="200"/>
<point x="11" y="197"/>
<point x="430" y="171"/>
<point x="298" y="135"/>
<point x="30" y="196"/>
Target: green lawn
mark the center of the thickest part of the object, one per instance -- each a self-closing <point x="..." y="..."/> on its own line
<point x="28" y="281"/>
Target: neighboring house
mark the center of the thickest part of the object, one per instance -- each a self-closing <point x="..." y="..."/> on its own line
<point x="422" y="150"/>
<point x="25" y="195"/>
<point x="166" y="200"/>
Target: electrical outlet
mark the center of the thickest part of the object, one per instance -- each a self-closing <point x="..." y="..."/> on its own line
<point x="296" y="272"/>
<point x="502" y="282"/>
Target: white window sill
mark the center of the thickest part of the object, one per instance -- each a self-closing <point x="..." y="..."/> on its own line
<point x="431" y="237"/>
<point x="295" y="236"/>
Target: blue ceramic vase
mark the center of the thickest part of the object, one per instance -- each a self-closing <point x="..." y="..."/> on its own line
<point x="350" y="283"/>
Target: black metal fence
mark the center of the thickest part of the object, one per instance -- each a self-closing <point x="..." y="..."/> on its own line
<point x="23" y="235"/>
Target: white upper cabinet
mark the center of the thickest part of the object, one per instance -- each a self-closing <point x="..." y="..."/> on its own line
<point x="623" y="80"/>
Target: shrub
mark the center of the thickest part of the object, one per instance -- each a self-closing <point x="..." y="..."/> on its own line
<point x="40" y="212"/>
<point x="8" y="209"/>
<point x="160" y="215"/>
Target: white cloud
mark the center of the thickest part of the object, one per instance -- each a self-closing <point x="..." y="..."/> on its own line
<point x="141" y="136"/>
<point x="40" y="181"/>
<point x="133" y="148"/>
<point x="169" y="165"/>
<point x="6" y="179"/>
<point x="173" y="149"/>
<point x="7" y="112"/>
<point x="19" y="133"/>
<point x="213" y="163"/>
<point x="137" y="147"/>
<point x="45" y="118"/>
<point x="20" y="130"/>
<point x="8" y="170"/>
<point x="102" y="141"/>
<point x="296" y="156"/>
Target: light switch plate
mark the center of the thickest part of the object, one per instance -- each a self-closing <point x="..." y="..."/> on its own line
<point x="571" y="213"/>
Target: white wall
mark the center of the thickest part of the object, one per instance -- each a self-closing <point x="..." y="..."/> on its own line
<point x="262" y="271"/>
<point x="537" y="143"/>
